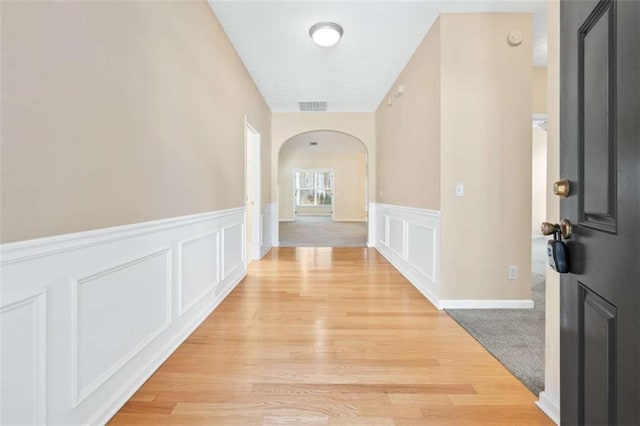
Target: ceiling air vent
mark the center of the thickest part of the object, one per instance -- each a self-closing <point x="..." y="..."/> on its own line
<point x="313" y="106"/>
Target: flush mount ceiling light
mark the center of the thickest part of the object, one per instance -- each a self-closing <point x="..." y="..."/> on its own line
<point x="325" y="34"/>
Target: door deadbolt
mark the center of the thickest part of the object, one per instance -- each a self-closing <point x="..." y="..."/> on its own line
<point x="562" y="188"/>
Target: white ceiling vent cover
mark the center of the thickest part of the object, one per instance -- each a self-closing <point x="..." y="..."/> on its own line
<point x="312" y="106"/>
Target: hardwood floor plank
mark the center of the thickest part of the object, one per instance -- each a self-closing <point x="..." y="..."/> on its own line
<point x="324" y="336"/>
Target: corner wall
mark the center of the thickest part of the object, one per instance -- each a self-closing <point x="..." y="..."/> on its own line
<point x="486" y="145"/>
<point x="464" y="117"/>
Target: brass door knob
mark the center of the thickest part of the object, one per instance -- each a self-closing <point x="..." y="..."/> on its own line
<point x="562" y="188"/>
<point x="548" y="228"/>
<point x="564" y="227"/>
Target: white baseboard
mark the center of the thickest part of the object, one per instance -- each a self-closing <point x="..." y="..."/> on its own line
<point x="548" y="406"/>
<point x="486" y="304"/>
<point x="411" y="274"/>
<point x="155" y="280"/>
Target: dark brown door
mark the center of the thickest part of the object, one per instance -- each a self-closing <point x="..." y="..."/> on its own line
<point x="600" y="155"/>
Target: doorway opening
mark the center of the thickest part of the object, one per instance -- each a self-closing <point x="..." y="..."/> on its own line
<point x="322" y="187"/>
<point x="254" y="218"/>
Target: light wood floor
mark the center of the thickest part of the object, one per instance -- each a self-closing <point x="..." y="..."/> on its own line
<point x="327" y="336"/>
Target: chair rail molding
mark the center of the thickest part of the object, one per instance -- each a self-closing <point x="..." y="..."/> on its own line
<point x="93" y="314"/>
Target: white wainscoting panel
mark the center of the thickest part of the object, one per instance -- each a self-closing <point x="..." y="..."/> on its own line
<point x="234" y="248"/>
<point x="396" y="235"/>
<point x="86" y="318"/>
<point x="421" y="249"/>
<point x="410" y="239"/>
<point x="274" y="229"/>
<point x="23" y="362"/>
<point x="110" y="329"/>
<point x="371" y="225"/>
<point x="266" y="229"/>
<point x="199" y="269"/>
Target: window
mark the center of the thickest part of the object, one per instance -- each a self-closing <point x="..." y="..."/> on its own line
<point x="314" y="188"/>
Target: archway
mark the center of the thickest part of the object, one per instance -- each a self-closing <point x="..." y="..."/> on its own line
<point x="322" y="178"/>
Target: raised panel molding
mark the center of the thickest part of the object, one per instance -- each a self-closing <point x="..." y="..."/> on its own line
<point x="421" y="248"/>
<point x="409" y="238"/>
<point x="109" y="326"/>
<point x="23" y="327"/>
<point x="233" y="242"/>
<point x="199" y="269"/>
<point x="98" y="312"/>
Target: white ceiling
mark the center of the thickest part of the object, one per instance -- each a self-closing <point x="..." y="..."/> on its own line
<point x="328" y="143"/>
<point x="272" y="40"/>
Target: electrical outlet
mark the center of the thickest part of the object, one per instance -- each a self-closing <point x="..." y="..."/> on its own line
<point x="459" y="189"/>
<point x="513" y="272"/>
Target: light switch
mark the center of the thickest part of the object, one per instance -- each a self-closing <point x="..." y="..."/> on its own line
<point x="459" y="189"/>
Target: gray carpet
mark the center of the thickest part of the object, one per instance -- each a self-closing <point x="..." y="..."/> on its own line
<point x="318" y="231"/>
<point x="515" y="336"/>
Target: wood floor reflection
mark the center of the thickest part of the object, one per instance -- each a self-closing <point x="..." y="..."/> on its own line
<point x="327" y="336"/>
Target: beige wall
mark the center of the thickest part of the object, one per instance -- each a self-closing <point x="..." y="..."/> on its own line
<point x="360" y="125"/>
<point x="120" y="112"/>
<point x="538" y="180"/>
<point x="539" y="90"/>
<point x="408" y="132"/>
<point x="350" y="182"/>
<point x="486" y="144"/>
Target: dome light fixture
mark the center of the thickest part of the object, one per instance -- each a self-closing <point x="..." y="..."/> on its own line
<point x="325" y="34"/>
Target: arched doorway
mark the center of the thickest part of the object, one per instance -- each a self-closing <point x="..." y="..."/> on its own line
<point x="322" y="190"/>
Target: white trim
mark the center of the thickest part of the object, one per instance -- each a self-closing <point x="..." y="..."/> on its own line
<point x="39" y="340"/>
<point x="410" y="273"/>
<point x="420" y="268"/>
<point x="371" y="224"/>
<point x="350" y="220"/>
<point x="549" y="407"/>
<point x="275" y="225"/>
<point x="30" y="249"/>
<point x="414" y="210"/>
<point x="253" y="145"/>
<point x="487" y="304"/>
<point x="53" y="272"/>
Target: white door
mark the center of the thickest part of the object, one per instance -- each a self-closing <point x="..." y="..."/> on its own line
<point x="252" y="199"/>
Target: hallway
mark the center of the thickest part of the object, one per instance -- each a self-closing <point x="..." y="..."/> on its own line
<point x="319" y="231"/>
<point x="330" y="337"/>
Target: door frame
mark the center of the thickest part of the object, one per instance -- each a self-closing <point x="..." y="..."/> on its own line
<point x="252" y="184"/>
